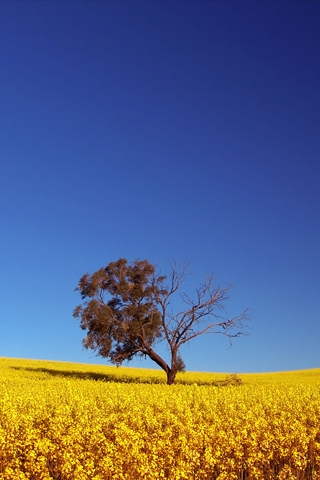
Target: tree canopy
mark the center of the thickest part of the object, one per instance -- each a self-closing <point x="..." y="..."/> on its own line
<point x="127" y="311"/>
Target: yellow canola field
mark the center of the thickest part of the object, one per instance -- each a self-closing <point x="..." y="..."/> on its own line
<point x="70" y="422"/>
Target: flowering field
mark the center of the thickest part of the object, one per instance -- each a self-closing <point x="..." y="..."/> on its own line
<point x="71" y="421"/>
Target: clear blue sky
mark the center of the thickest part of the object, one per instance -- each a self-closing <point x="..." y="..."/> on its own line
<point x="162" y="130"/>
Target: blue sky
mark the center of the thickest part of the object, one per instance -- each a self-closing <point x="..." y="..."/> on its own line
<point x="162" y="130"/>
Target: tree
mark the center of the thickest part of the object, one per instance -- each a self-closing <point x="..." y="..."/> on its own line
<point x="127" y="311"/>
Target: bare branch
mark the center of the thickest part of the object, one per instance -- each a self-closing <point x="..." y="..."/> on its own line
<point x="226" y="324"/>
<point x="127" y="310"/>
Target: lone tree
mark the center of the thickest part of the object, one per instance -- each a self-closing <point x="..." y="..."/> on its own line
<point x="127" y="311"/>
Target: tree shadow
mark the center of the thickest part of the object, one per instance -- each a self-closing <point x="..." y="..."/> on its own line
<point x="102" y="377"/>
<point x="232" y="379"/>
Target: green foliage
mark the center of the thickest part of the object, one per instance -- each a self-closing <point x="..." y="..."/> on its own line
<point x="120" y="313"/>
<point x="180" y="365"/>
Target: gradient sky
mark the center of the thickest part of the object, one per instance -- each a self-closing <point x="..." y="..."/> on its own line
<point x="162" y="130"/>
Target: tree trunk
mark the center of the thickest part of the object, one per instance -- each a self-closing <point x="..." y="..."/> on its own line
<point x="171" y="372"/>
<point x="159" y="361"/>
<point x="171" y="376"/>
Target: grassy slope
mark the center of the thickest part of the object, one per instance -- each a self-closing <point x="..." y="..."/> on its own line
<point x="42" y="369"/>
